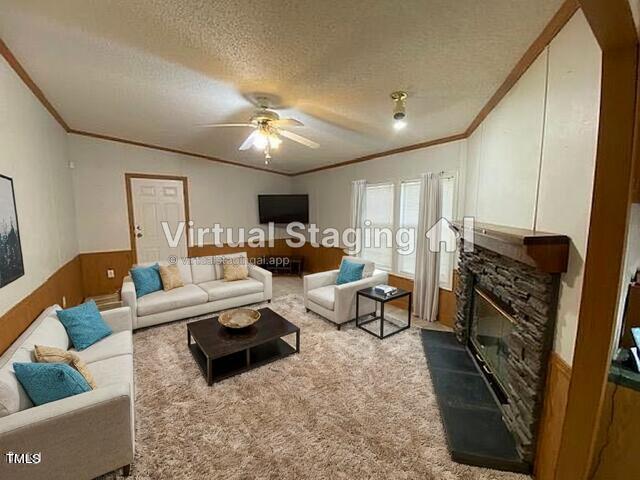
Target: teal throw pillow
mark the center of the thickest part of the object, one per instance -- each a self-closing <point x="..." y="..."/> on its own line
<point x="146" y="279"/>
<point x="349" y="272"/>
<point x="48" y="382"/>
<point x="84" y="324"/>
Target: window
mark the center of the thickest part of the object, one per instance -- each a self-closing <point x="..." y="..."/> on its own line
<point x="389" y="212"/>
<point x="447" y="199"/>
<point x="409" y="212"/>
<point x="379" y="212"/>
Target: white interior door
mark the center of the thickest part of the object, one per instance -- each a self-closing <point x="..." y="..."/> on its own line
<point x="156" y="201"/>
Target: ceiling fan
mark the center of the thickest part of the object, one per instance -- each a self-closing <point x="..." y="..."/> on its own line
<point x="268" y="128"/>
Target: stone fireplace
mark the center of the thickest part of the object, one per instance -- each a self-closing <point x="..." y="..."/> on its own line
<point x="506" y="310"/>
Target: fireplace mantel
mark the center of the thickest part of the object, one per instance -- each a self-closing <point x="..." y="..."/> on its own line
<point x="547" y="252"/>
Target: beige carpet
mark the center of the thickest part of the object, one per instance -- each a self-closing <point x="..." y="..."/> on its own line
<point x="349" y="406"/>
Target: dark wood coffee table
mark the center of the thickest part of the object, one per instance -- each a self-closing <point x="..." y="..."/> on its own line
<point x="222" y="352"/>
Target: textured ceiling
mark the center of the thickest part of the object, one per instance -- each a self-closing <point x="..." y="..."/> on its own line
<point x="152" y="70"/>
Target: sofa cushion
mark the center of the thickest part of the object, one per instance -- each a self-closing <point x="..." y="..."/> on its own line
<point x="84" y="324"/>
<point x="202" y="270"/>
<point x="349" y="272"/>
<point x="146" y="279"/>
<point x="162" y="301"/>
<point x="119" y="343"/>
<point x="183" y="264"/>
<point x="50" y="332"/>
<point x="369" y="266"/>
<point x="220" y="260"/>
<point x="171" y="278"/>
<point x="45" y="354"/>
<point x="219" y="289"/>
<point x="113" y="370"/>
<point x="235" y="271"/>
<point x="48" y="382"/>
<point x="13" y="397"/>
<point x="323" y="296"/>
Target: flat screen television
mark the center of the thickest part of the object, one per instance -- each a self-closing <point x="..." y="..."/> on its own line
<point x="283" y="208"/>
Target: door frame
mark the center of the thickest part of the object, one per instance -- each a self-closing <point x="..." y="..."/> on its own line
<point x="617" y="150"/>
<point x="151" y="176"/>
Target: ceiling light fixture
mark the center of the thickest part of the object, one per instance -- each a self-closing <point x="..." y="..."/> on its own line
<point x="399" y="109"/>
<point x="399" y="124"/>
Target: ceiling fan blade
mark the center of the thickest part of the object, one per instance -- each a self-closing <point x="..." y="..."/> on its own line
<point x="248" y="143"/>
<point x="214" y="125"/>
<point x="288" y="122"/>
<point x="298" y="138"/>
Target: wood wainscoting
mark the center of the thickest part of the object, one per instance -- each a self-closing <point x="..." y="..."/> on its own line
<point x="317" y="258"/>
<point x="552" y="420"/>
<point x="65" y="283"/>
<point x="94" y="265"/>
<point x="94" y="268"/>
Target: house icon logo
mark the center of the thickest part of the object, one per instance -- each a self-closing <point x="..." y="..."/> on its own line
<point x="444" y="237"/>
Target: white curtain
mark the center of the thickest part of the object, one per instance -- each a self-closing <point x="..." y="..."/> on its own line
<point x="425" y="290"/>
<point x="358" y="209"/>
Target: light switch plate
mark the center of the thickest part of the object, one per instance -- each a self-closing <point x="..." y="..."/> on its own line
<point x="111" y="273"/>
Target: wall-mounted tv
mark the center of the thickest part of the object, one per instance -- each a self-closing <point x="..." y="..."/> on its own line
<point x="283" y="208"/>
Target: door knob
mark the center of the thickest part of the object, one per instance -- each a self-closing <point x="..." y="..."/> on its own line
<point x="138" y="235"/>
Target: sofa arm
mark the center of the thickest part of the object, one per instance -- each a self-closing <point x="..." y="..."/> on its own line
<point x="263" y="276"/>
<point x="317" y="280"/>
<point x="83" y="436"/>
<point x="345" y="294"/>
<point x="119" y="319"/>
<point x="130" y="299"/>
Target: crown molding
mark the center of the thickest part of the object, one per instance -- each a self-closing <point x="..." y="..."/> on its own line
<point x="562" y="16"/>
<point x="175" y="150"/>
<point x="386" y="153"/>
<point x="31" y="85"/>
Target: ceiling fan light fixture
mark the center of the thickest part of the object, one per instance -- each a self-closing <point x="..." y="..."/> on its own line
<point x="274" y="141"/>
<point x="268" y="129"/>
<point x="261" y="140"/>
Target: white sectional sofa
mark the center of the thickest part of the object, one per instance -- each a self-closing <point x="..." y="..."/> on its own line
<point x="79" y="437"/>
<point x="204" y="291"/>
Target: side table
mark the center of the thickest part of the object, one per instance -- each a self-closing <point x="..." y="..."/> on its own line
<point x="382" y="299"/>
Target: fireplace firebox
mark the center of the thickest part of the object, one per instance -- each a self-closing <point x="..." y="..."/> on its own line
<point x="491" y="324"/>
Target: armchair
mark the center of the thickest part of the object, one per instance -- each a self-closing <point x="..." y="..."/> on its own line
<point x="337" y="303"/>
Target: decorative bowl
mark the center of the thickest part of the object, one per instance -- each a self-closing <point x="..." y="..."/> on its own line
<point x="239" y="318"/>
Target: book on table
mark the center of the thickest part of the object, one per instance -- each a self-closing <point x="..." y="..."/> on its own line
<point x="385" y="289"/>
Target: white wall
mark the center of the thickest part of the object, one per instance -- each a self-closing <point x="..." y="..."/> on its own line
<point x="508" y="143"/>
<point x="33" y="152"/>
<point x="531" y="162"/>
<point x="218" y="193"/>
<point x="330" y="190"/>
